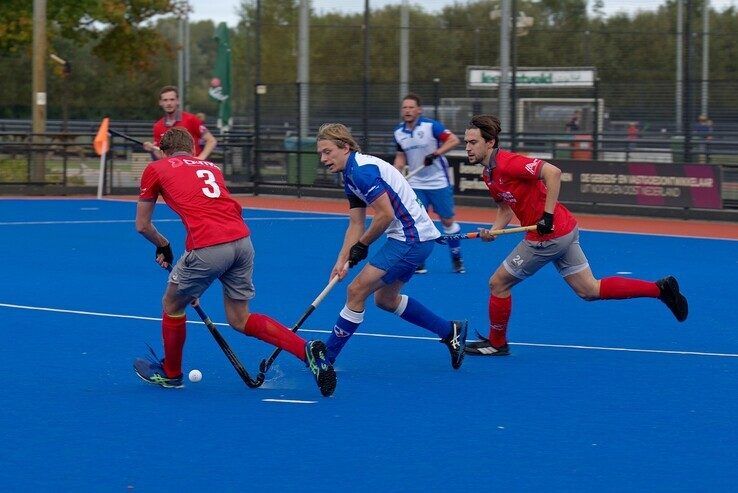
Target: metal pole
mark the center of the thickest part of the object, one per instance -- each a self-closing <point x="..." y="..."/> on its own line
<point x="38" y="99"/>
<point x="367" y="68"/>
<point x="596" y="118"/>
<point x="687" y="123"/>
<point x="181" y="62"/>
<point x="705" y="58"/>
<point x="404" y="49"/>
<point x="679" y="97"/>
<point x="504" y="88"/>
<point x="299" y="139"/>
<point x="257" y="98"/>
<point x="436" y="96"/>
<point x="186" y="89"/>
<point x="513" y="70"/>
<point x="476" y="46"/>
<point x="303" y="70"/>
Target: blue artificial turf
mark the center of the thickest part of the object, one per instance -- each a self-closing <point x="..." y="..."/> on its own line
<point x="80" y="297"/>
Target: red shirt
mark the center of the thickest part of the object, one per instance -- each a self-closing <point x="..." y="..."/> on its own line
<point x="188" y="121"/>
<point x="514" y="179"/>
<point x="196" y="191"/>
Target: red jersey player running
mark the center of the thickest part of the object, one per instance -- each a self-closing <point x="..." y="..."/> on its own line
<point x="218" y="246"/>
<point x="529" y="189"/>
<point x="174" y="117"/>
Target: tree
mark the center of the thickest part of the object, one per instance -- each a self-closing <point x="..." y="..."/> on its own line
<point x="122" y="28"/>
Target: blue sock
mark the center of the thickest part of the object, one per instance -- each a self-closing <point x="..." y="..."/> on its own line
<point x="414" y="312"/>
<point x="347" y="323"/>
<point x="454" y="245"/>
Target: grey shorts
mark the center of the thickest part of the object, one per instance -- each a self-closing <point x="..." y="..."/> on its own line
<point x="529" y="256"/>
<point x="232" y="263"/>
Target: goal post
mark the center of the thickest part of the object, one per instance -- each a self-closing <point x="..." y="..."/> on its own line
<point x="549" y="115"/>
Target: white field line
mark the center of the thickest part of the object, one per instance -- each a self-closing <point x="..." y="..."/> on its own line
<point x="331" y="217"/>
<point x="338" y="215"/>
<point x="390" y="336"/>
<point x="289" y="401"/>
<point x="174" y="220"/>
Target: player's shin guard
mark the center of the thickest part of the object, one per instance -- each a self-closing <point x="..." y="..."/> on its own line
<point x="620" y="288"/>
<point x="269" y="330"/>
<point x="453" y="245"/>
<point x="347" y="323"/>
<point x="499" y="316"/>
<point x="414" y="312"/>
<point x="174" y="333"/>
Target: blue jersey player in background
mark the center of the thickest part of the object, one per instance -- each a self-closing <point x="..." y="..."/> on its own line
<point x="422" y="143"/>
<point x="411" y="236"/>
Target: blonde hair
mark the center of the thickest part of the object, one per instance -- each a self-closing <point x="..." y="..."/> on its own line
<point x="176" y="139"/>
<point x="339" y="134"/>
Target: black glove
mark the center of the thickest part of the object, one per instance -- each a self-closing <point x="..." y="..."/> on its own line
<point x="429" y="159"/>
<point x="357" y="253"/>
<point x="165" y="250"/>
<point x="545" y="224"/>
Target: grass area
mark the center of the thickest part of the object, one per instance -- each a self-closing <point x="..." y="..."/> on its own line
<point x="728" y="159"/>
<point x="16" y="170"/>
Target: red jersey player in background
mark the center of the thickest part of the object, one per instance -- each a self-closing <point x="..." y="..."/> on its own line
<point x="174" y="117"/>
<point x="218" y="246"/>
<point x="529" y="189"/>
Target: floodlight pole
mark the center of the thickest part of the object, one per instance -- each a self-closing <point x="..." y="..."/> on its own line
<point x="38" y="99"/>
<point x="679" y="110"/>
<point x="687" y="123"/>
<point x="504" y="87"/>
<point x="513" y="70"/>
<point x="257" y="98"/>
<point x="404" y="49"/>
<point x="303" y="72"/>
<point x="705" y="58"/>
<point x="367" y="68"/>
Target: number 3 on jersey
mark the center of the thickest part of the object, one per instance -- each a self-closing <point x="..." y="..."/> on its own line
<point x="212" y="190"/>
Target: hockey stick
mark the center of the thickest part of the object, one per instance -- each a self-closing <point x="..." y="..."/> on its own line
<point x="124" y="136"/>
<point x="250" y="382"/>
<point x="267" y="363"/>
<point x="415" y="171"/>
<point x="468" y="236"/>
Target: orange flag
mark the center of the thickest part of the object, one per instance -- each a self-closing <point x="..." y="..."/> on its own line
<point x="102" y="139"/>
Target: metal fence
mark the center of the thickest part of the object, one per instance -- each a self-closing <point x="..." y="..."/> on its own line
<point x="64" y="164"/>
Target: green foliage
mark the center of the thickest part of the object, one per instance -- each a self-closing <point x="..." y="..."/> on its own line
<point x="122" y="28"/>
<point x="122" y="51"/>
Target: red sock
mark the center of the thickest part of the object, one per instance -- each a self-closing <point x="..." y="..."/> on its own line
<point x="174" y="332"/>
<point x="499" y="315"/>
<point x="269" y="330"/>
<point x="620" y="288"/>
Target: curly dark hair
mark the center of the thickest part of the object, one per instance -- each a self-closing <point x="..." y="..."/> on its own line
<point x="177" y="139"/>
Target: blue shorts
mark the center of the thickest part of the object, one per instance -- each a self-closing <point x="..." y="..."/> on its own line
<point x="442" y="200"/>
<point x="399" y="259"/>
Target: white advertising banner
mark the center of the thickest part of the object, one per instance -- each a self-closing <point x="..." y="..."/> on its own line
<point x="541" y="78"/>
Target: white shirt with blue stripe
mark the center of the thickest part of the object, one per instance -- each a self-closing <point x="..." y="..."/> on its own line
<point x="417" y="143"/>
<point x="368" y="177"/>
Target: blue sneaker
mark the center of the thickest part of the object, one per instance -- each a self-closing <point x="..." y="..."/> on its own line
<point x="316" y="357"/>
<point x="150" y="369"/>
<point x="456" y="342"/>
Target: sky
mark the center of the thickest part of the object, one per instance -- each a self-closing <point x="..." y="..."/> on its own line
<point x="225" y="10"/>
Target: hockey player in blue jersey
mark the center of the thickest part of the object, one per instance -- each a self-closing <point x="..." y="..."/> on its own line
<point x="411" y="235"/>
<point x="422" y="143"/>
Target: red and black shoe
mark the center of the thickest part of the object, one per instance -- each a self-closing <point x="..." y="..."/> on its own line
<point x="483" y="347"/>
<point x="673" y="298"/>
